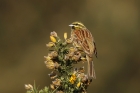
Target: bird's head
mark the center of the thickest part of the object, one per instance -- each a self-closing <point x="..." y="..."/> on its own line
<point x="77" y="25"/>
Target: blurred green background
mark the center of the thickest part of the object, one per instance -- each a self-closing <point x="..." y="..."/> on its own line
<point x="25" y="26"/>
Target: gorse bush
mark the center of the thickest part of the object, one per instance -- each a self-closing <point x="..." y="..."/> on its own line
<point x="61" y="59"/>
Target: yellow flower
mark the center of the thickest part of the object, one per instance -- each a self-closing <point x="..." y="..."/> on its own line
<point x="50" y="44"/>
<point x="78" y="84"/>
<point x="52" y="86"/>
<point x="69" y="40"/>
<point x="50" y="64"/>
<point x="72" y="79"/>
<point x="54" y="34"/>
<point x="56" y="82"/>
<point x="28" y="87"/>
<point x="54" y="54"/>
<point x="72" y="49"/>
<point x="53" y="39"/>
<point x="47" y="58"/>
<point x="83" y="58"/>
<point x="65" y="35"/>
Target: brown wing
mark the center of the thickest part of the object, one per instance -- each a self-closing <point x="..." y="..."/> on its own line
<point x="85" y="40"/>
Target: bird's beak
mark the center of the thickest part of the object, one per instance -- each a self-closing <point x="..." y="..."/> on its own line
<point x="71" y="25"/>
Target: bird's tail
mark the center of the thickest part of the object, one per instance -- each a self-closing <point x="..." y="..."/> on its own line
<point x="91" y="70"/>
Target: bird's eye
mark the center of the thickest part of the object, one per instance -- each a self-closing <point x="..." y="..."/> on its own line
<point x="73" y="27"/>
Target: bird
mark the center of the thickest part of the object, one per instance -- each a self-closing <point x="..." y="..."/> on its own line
<point x="82" y="37"/>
